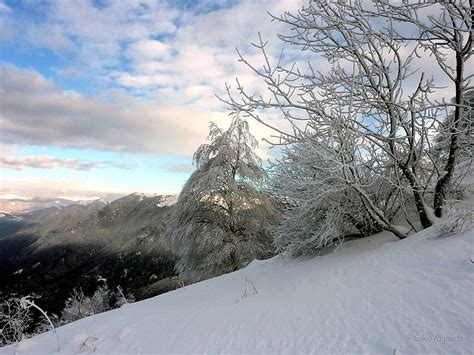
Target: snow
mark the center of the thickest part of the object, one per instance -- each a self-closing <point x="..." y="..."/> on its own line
<point x="375" y="295"/>
<point x="167" y="200"/>
<point x="10" y="216"/>
<point x="91" y="201"/>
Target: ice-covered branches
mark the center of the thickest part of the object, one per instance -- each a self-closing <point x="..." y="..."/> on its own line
<point x="372" y="118"/>
<point x="222" y="219"/>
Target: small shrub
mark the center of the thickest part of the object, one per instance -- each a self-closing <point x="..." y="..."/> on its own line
<point x="79" y="306"/>
<point x="14" y="321"/>
<point x="458" y="220"/>
<point x="17" y="321"/>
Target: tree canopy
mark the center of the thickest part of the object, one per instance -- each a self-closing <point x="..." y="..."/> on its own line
<point x="223" y="219"/>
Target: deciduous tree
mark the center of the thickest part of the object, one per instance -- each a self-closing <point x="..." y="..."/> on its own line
<point x="222" y="218"/>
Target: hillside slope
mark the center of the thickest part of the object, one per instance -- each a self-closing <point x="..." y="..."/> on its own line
<point x="376" y="295"/>
<point x="58" y="249"/>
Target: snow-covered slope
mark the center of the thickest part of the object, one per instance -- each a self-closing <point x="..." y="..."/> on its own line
<point x="376" y="295"/>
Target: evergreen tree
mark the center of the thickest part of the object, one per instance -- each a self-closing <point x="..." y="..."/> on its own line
<point x="222" y="219"/>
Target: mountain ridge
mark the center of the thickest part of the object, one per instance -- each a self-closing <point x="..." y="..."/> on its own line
<point x="60" y="248"/>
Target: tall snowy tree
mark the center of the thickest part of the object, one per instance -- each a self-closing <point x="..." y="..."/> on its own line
<point x="223" y="220"/>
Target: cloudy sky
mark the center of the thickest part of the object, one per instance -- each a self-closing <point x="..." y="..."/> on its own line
<point x="106" y="97"/>
<point x="101" y="98"/>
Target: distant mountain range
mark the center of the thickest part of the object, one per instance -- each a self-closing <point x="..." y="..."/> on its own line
<point x="50" y="251"/>
<point x="20" y="205"/>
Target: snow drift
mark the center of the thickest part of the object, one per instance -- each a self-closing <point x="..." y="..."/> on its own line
<point x="375" y="295"/>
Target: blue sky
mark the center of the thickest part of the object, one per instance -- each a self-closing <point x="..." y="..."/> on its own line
<point x="110" y="97"/>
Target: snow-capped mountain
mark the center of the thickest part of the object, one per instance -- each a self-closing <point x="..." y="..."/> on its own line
<point x="20" y="205"/>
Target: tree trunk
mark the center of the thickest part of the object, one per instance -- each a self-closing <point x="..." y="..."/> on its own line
<point x="420" y="203"/>
<point x="445" y="179"/>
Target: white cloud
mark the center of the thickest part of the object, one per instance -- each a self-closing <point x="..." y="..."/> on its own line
<point x="17" y="162"/>
<point x="34" y="111"/>
<point x="152" y="48"/>
<point x="147" y="49"/>
<point x="4" y="8"/>
<point x="54" y="188"/>
<point x="175" y="60"/>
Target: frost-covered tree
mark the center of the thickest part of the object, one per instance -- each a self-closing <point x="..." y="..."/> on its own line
<point x="320" y="207"/>
<point x="371" y="118"/>
<point x="222" y="219"/>
<point x="444" y="30"/>
<point x="79" y="306"/>
<point x="15" y="322"/>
